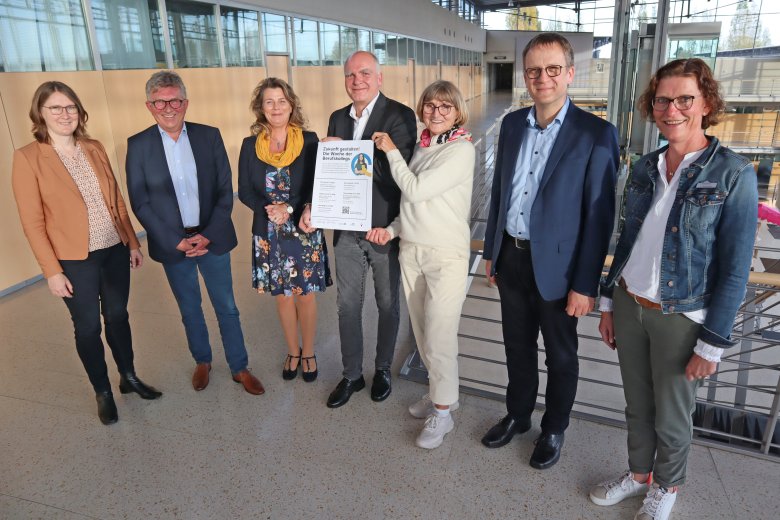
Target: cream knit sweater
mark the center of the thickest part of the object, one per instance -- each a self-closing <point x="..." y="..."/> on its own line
<point x="435" y="194"/>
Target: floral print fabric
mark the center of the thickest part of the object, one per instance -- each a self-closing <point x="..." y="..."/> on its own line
<point x="289" y="261"/>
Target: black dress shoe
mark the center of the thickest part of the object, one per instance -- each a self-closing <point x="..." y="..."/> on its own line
<point x="500" y="434"/>
<point x="106" y="407"/>
<point x="547" y="451"/>
<point x="381" y="387"/>
<point x="130" y="383"/>
<point x="343" y="391"/>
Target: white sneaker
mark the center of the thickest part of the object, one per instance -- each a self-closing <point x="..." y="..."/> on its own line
<point x="610" y="492"/>
<point x="657" y="505"/>
<point x="424" y="407"/>
<point x="435" y="429"/>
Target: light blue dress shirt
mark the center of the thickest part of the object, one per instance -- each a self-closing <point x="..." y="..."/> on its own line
<point x="184" y="174"/>
<point x="531" y="162"/>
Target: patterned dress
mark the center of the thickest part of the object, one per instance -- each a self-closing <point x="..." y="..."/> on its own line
<point x="289" y="261"/>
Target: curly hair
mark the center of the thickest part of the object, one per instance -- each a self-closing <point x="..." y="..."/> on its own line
<point x="40" y="97"/>
<point x="697" y="69"/>
<point x="256" y="105"/>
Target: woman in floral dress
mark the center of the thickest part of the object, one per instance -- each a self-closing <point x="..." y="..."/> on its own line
<point x="275" y="176"/>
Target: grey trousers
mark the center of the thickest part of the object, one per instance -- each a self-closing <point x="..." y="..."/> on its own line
<point x="653" y="349"/>
<point x="354" y="256"/>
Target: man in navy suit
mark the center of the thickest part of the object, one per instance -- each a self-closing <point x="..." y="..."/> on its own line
<point x="551" y="216"/>
<point x="181" y="190"/>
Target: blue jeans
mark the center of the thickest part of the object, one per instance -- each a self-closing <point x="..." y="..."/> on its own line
<point x="183" y="278"/>
<point x="354" y="255"/>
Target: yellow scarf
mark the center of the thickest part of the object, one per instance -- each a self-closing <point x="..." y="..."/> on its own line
<point x="284" y="158"/>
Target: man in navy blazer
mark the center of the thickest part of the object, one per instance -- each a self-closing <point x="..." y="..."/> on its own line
<point x="551" y="216"/>
<point x="181" y="190"/>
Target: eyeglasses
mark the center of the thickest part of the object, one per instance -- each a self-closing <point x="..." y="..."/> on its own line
<point x="430" y="108"/>
<point x="680" y="102"/>
<point x="536" y="72"/>
<point x="160" y="104"/>
<point x="57" y="110"/>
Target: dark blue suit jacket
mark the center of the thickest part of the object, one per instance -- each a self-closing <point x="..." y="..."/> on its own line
<point x="153" y="197"/>
<point x="573" y="213"/>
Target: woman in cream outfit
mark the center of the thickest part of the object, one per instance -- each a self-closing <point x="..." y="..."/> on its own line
<point x="435" y="245"/>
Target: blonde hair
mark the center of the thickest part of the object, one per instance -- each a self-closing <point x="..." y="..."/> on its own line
<point x="444" y="91"/>
<point x="261" y="123"/>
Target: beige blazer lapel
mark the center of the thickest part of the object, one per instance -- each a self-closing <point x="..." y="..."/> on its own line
<point x="50" y="158"/>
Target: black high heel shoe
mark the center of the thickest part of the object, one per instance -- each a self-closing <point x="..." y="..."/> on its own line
<point x="130" y="383"/>
<point x="288" y="373"/>
<point x="106" y="408"/>
<point x="312" y="375"/>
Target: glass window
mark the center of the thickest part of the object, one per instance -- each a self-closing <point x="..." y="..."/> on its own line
<point x="275" y="32"/>
<point x="241" y="35"/>
<point x="391" y="44"/>
<point x="349" y="41"/>
<point x="380" y="48"/>
<point x="193" y="31"/>
<point x="329" y="43"/>
<point x="44" y="35"/>
<point x="307" y="49"/>
<point x="364" y="40"/>
<point x="419" y="52"/>
<point x="124" y="34"/>
<point x="404" y="53"/>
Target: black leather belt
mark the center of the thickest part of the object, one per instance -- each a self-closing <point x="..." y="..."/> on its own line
<point x="191" y="231"/>
<point x="519" y="243"/>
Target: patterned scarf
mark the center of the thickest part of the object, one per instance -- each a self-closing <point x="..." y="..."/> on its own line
<point x="454" y="133"/>
<point x="284" y="158"/>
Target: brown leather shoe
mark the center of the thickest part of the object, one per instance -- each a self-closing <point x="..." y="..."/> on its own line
<point x="200" y="378"/>
<point x="250" y="382"/>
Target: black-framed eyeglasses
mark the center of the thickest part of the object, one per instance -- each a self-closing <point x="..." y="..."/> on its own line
<point x="680" y="102"/>
<point x="536" y="72"/>
<point x="57" y="110"/>
<point x="430" y="108"/>
<point x="160" y="104"/>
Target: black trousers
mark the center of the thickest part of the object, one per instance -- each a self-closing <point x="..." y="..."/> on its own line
<point x="101" y="285"/>
<point x="524" y="313"/>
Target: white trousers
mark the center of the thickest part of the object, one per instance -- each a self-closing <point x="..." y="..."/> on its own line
<point x="434" y="281"/>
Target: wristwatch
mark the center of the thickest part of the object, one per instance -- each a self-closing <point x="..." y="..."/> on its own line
<point x="289" y="209"/>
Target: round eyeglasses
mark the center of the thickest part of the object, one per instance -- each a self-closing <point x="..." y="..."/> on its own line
<point x="536" y="72"/>
<point x="160" y="104"/>
<point x="680" y="102"/>
<point x="430" y="108"/>
<point x="56" y="110"/>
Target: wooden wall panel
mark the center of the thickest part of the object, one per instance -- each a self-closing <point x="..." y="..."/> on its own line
<point x="321" y="90"/>
<point x="18" y="261"/>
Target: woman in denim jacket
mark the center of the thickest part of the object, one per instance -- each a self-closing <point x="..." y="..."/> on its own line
<point x="677" y="279"/>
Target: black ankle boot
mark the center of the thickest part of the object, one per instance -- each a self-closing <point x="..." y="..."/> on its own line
<point x="130" y="383"/>
<point x="106" y="407"/>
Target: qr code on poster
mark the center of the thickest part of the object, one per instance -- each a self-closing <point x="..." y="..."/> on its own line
<point x="345" y="210"/>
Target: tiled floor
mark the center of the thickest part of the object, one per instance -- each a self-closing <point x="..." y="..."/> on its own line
<point x="223" y="453"/>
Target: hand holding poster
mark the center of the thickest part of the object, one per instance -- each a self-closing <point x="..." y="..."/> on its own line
<point x="343" y="185"/>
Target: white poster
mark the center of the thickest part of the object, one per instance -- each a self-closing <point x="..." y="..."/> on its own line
<point x="343" y="179"/>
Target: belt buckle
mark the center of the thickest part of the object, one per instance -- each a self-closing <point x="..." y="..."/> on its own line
<point x="520" y="243"/>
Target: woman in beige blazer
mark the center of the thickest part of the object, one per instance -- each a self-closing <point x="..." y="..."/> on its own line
<point x="76" y="222"/>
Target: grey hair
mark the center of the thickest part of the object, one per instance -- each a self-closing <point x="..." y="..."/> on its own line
<point x="162" y="79"/>
<point x="352" y="55"/>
